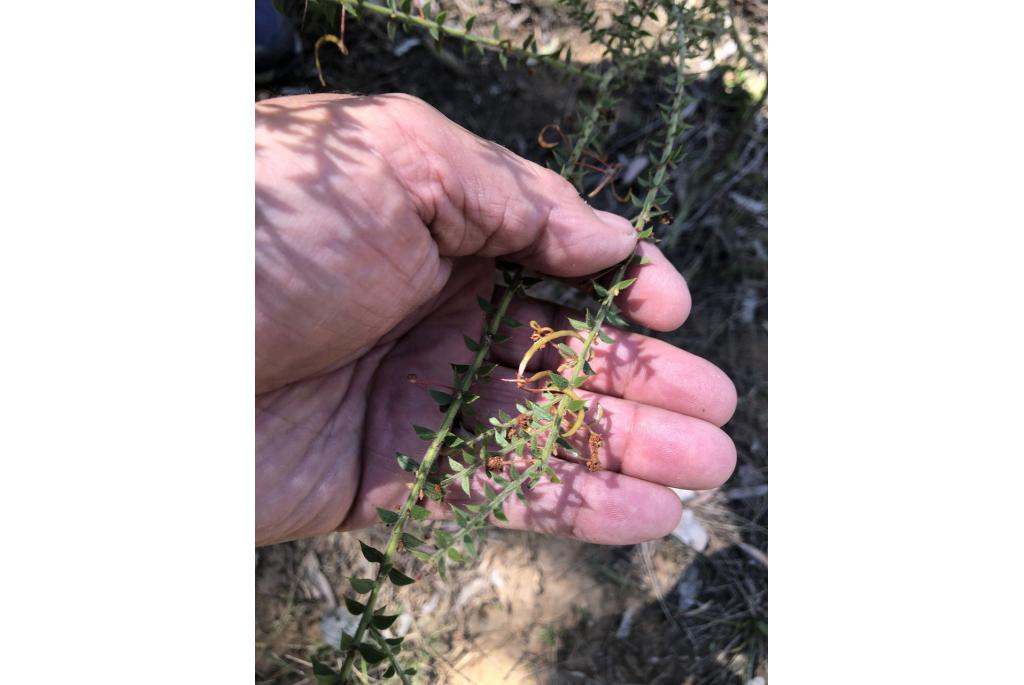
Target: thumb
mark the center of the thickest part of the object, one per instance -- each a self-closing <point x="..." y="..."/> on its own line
<point x="478" y="198"/>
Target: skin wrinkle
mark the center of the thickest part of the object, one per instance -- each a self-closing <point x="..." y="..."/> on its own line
<point x="574" y="530"/>
<point x="426" y="208"/>
<point x="626" y="450"/>
<point x="445" y="184"/>
<point x="335" y="465"/>
<point x="296" y="486"/>
<point x="532" y="250"/>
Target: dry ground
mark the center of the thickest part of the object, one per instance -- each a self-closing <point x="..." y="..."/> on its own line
<point x="543" y="610"/>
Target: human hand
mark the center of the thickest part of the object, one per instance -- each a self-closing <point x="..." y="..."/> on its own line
<point x="377" y="225"/>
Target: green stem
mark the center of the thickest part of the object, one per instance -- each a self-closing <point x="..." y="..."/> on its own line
<point x="391" y="656"/>
<point x="674" y="124"/>
<point x="424" y="469"/>
<point x="489" y="43"/>
<point x="589" y="124"/>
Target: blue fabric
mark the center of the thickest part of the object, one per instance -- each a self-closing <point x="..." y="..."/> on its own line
<point x="274" y="35"/>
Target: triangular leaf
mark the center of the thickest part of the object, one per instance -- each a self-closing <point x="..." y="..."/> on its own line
<point x="406" y="463"/>
<point x="361" y="585"/>
<point x="371" y="653"/>
<point x="324" y="674"/>
<point x="411" y="541"/>
<point x="355" y="608"/>
<point x="424" y="433"/>
<point x="387" y="516"/>
<point x="442" y="398"/>
<point x="371" y="554"/>
<point x="399" y="578"/>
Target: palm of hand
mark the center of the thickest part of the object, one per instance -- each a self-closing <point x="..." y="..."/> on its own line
<point x="330" y="441"/>
<point x="370" y="259"/>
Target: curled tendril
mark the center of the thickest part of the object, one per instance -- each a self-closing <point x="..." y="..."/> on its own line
<point x="539" y="344"/>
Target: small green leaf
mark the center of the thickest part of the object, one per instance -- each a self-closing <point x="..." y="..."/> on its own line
<point x="510" y="322"/>
<point x="461" y="517"/>
<point x="473" y="345"/>
<point x="622" y="285"/>
<point x="387" y="516"/>
<point x="391" y="30"/>
<point x="380" y="621"/>
<point x="324" y="674"/>
<point x="361" y="585"/>
<point x="418" y="513"/>
<point x="441" y="16"/>
<point x="371" y="653"/>
<point x="503" y="59"/>
<point x="406" y="463"/>
<point x="399" y="578"/>
<point x="464" y="483"/>
<point x="420" y="554"/>
<point x="390" y="672"/>
<point x="616" y="320"/>
<point x="405" y="6"/>
<point x="355" y="608"/>
<point x="604" y="337"/>
<point x="424" y="433"/>
<point x="394" y="641"/>
<point x="576" y="405"/>
<point x="454" y="555"/>
<point x="371" y="554"/>
<point x="351" y="6"/>
<point x="580" y="325"/>
<point x="559" y="382"/>
<point x="488" y="308"/>
<point x="442" y="398"/>
<point x="500" y="515"/>
<point x="411" y="541"/>
<point x="601" y="291"/>
<point x="469" y="22"/>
